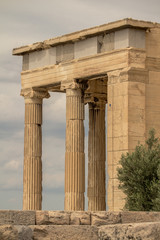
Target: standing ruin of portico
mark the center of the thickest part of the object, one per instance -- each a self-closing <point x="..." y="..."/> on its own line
<point x="116" y="63"/>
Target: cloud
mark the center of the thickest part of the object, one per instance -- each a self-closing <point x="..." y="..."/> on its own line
<point x="12" y="165"/>
<point x="11" y="102"/>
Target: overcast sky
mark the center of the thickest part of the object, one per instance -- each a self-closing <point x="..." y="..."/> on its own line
<point x="25" y="22"/>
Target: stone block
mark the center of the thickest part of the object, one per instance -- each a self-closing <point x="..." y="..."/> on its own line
<point x="109" y="158"/>
<point x="121" y="39"/>
<point x="120" y="89"/>
<point x="119" y="199"/>
<point x="8" y="232"/>
<point x="139" y="231"/>
<point x="25" y="64"/>
<point x="137" y="38"/>
<point x="86" y="47"/>
<point x="109" y="119"/>
<point x="154" y="77"/>
<point x="42" y="58"/>
<point x="153" y="117"/>
<point x="137" y="217"/>
<point x="17" y="217"/>
<point x="136" y="115"/>
<point x="120" y="103"/>
<point x="137" y="59"/>
<point x="119" y="116"/>
<point x="152" y="91"/>
<point x="80" y="218"/>
<point x="136" y="129"/>
<point x="136" y="102"/>
<point x="52" y="218"/>
<point x="64" y="52"/>
<point x="110" y="171"/>
<point x="153" y="42"/>
<point x="110" y="144"/>
<point x="129" y="38"/>
<point x="120" y="128"/>
<point x="65" y="232"/>
<point x="153" y="103"/>
<point x="120" y="143"/>
<point x="105" y="218"/>
<point x="136" y="88"/>
<point x="120" y="123"/>
<point x="106" y="42"/>
<point x="110" y="91"/>
<point x="109" y="131"/>
<point x="135" y="140"/>
<point x="24" y="233"/>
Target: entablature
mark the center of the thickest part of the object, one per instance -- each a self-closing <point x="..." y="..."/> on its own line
<point x="53" y="77"/>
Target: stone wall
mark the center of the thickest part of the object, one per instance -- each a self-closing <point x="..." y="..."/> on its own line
<point x="79" y="225"/>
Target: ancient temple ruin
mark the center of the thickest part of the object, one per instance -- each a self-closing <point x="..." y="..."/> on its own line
<point x="116" y="64"/>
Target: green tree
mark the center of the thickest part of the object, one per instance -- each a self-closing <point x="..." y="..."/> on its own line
<point x="139" y="176"/>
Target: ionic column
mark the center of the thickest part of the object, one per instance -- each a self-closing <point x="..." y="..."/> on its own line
<point x="32" y="169"/>
<point x="74" y="157"/>
<point x="96" y="157"/>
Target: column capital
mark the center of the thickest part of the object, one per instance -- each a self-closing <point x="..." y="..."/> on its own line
<point x="100" y="104"/>
<point x="34" y="94"/>
<point x="96" y="92"/>
<point x="71" y="84"/>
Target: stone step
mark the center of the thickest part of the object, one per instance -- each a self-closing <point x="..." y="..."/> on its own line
<point x="48" y="232"/>
<point x="134" y="231"/>
<point x="49" y="225"/>
<point x="18" y="217"/>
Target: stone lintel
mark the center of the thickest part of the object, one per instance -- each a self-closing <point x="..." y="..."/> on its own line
<point x="65" y="73"/>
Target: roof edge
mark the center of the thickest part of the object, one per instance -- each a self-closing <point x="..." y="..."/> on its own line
<point x="79" y="35"/>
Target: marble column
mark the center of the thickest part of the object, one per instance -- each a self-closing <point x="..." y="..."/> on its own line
<point x="96" y="157"/>
<point x="74" y="157"/>
<point x="32" y="169"/>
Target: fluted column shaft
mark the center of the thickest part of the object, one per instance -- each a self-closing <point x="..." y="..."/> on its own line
<point x="74" y="157"/>
<point x="32" y="169"/>
<point x="96" y="157"/>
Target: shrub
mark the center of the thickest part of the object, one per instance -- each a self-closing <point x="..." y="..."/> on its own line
<point x="139" y="176"/>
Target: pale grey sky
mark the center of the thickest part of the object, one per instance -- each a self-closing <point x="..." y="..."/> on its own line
<point x="24" y="22"/>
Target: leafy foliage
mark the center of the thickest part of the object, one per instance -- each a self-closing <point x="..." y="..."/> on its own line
<point x="139" y="176"/>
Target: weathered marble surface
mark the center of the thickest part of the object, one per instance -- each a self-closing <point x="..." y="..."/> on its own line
<point x="17" y="217"/>
<point x="52" y="218"/>
<point x="139" y="231"/>
<point x="65" y="232"/>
